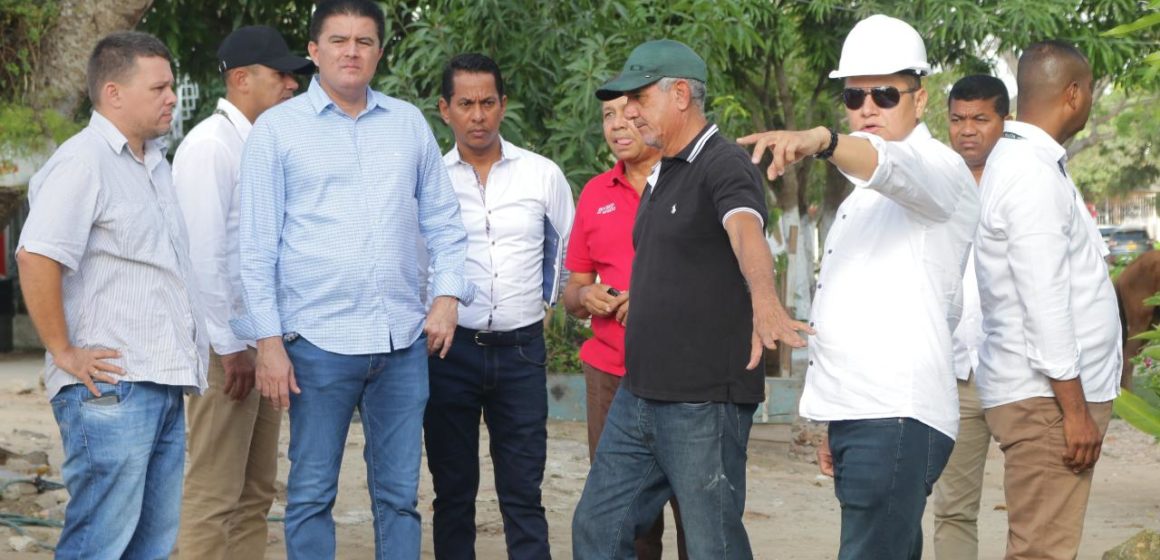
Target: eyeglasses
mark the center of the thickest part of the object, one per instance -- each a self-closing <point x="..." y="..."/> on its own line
<point x="885" y="97"/>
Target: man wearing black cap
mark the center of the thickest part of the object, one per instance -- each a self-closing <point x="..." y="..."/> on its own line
<point x="233" y="433"/>
<point x="704" y="308"/>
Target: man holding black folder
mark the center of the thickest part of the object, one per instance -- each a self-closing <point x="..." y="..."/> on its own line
<point x="517" y="209"/>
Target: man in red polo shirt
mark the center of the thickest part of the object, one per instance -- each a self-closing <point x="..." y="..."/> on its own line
<point x="600" y="261"/>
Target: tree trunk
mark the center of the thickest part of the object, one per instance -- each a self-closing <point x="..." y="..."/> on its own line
<point x="59" y="82"/>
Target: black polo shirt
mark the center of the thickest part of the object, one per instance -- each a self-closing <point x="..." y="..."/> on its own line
<point x="691" y="320"/>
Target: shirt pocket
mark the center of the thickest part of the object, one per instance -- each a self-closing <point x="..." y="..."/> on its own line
<point x="134" y="226"/>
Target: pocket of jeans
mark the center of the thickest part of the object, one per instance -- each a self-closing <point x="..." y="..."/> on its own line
<point x="535" y="358"/>
<point x="120" y="394"/>
<point x="695" y="405"/>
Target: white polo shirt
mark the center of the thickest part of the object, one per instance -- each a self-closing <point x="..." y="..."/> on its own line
<point x="1049" y="309"/>
<point x="890" y="289"/>
<point x="505" y="222"/>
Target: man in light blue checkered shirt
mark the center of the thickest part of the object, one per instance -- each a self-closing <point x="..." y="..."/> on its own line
<point x="336" y="187"/>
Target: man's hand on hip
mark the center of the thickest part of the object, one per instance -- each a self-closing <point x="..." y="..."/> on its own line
<point x="240" y="372"/>
<point x="89" y="365"/>
<point x="440" y="325"/>
<point x="275" y="373"/>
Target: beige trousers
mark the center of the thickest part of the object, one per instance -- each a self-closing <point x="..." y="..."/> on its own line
<point x="960" y="488"/>
<point x="1046" y="502"/>
<point x="229" y="481"/>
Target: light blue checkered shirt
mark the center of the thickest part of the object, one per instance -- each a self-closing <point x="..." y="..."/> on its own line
<point x="331" y="211"/>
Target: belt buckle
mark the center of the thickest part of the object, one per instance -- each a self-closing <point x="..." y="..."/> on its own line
<point x="476" y="338"/>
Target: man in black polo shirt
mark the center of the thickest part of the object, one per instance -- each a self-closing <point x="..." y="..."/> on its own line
<point x="703" y="309"/>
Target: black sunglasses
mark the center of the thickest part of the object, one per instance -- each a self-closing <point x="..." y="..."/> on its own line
<point x="885" y="97"/>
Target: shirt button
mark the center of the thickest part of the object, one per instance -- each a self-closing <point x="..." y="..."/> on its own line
<point x="829" y="251"/>
<point x="843" y="216"/>
<point x="811" y="362"/>
<point x="497" y="275"/>
<point x="811" y="323"/>
<point x="819" y="285"/>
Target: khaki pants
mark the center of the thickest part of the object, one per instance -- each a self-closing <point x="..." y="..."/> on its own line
<point x="1046" y="502"/>
<point x="229" y="484"/>
<point x="600" y="388"/>
<point x="960" y="488"/>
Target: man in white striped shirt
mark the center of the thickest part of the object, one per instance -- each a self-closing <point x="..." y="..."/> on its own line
<point x="104" y="261"/>
<point x="233" y="432"/>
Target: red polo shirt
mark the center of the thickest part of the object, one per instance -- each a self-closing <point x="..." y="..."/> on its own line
<point x="601" y="243"/>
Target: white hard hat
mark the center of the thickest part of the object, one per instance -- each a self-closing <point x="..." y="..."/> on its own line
<point x="880" y="45"/>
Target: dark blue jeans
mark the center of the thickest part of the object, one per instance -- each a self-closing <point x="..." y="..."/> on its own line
<point x="508" y="384"/>
<point x="652" y="450"/>
<point x="884" y="469"/>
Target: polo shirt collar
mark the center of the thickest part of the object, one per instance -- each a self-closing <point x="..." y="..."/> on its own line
<point x="154" y="149"/>
<point x="694" y="149"/>
<point x="319" y="100"/>
<point x="618" y="174"/>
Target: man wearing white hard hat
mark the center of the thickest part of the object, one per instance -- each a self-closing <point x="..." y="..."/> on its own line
<point x="889" y="292"/>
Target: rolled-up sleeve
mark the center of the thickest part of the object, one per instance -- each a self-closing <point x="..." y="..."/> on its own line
<point x="62" y="211"/>
<point x="1036" y="218"/>
<point x="262" y="199"/>
<point x="440" y="224"/>
<point x="929" y="183"/>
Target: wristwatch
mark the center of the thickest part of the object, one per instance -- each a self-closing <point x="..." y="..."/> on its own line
<point x="829" y="151"/>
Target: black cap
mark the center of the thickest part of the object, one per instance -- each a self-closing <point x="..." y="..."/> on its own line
<point x="260" y="44"/>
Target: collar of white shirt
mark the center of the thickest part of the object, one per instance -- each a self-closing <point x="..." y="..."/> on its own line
<point x="507" y="151"/>
<point x="1041" y="140"/>
<point x="235" y="116"/>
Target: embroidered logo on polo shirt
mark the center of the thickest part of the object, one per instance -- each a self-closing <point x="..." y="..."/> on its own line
<point x="674" y="210"/>
<point x="606" y="209"/>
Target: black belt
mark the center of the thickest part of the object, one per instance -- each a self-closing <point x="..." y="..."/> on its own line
<point x="517" y="337"/>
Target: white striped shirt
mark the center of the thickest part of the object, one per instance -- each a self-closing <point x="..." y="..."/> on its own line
<point x="111" y="220"/>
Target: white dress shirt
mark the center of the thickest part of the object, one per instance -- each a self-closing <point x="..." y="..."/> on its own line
<point x="889" y="291"/>
<point x="505" y="233"/>
<point x="968" y="336"/>
<point x="205" y="175"/>
<point x="1049" y="309"/>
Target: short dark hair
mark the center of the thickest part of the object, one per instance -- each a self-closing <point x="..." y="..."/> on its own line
<point x="473" y="63"/>
<point x="913" y="77"/>
<point x="357" y="8"/>
<point x="115" y="57"/>
<point x="982" y="86"/>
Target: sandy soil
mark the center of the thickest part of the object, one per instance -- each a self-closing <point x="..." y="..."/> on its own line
<point x="791" y="511"/>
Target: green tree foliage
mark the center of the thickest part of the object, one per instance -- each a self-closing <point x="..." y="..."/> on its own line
<point x="768" y="60"/>
<point x="1122" y="138"/>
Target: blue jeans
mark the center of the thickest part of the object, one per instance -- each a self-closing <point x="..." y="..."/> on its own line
<point x="653" y="450"/>
<point x="508" y="383"/>
<point x="390" y="391"/>
<point x="123" y="469"/>
<point x="883" y="471"/>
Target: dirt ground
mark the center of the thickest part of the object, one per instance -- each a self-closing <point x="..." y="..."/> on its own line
<point x="791" y="511"/>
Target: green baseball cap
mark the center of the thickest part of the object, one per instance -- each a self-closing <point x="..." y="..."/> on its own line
<point x="651" y="61"/>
